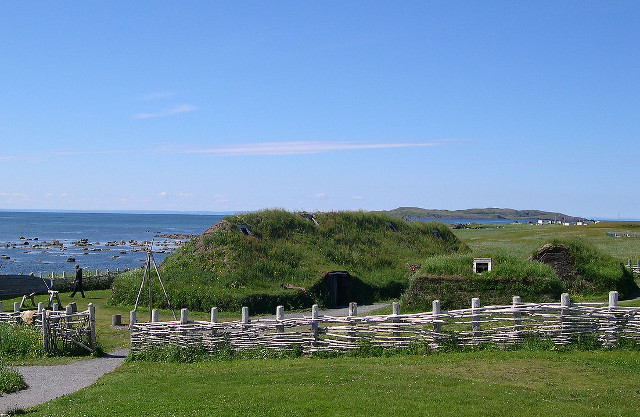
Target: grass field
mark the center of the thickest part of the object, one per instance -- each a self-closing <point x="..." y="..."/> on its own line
<point x="488" y="383"/>
<point x="522" y="240"/>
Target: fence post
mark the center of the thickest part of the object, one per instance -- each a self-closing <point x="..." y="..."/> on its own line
<point x="183" y="316"/>
<point x="279" y="318"/>
<point x="154" y="315"/>
<point x="63" y="275"/>
<point x="1" y="308"/>
<point x="314" y="323"/>
<point x="517" y="315"/>
<point x="245" y="315"/>
<point x="565" y="300"/>
<point x="436" y="312"/>
<point x="16" y="307"/>
<point x="54" y="307"/>
<point x="613" y="299"/>
<point x="92" y="325"/>
<point x="214" y="314"/>
<point x="45" y="331"/>
<point x="132" y="319"/>
<point x="565" y="303"/>
<point x="475" y="319"/>
<point x="353" y="309"/>
<point x="69" y="311"/>
<point x="395" y="307"/>
<point x="40" y="307"/>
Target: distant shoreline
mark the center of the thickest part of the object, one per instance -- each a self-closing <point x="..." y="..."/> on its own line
<point x="440" y="216"/>
<point x="194" y="213"/>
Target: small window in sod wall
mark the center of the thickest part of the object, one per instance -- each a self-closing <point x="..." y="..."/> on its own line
<point x="481" y="265"/>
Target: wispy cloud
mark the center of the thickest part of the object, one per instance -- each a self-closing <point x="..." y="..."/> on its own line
<point x="297" y="148"/>
<point x="83" y="152"/>
<point x="158" y="95"/>
<point x="183" y="108"/>
<point x="17" y="158"/>
<point x="248" y="149"/>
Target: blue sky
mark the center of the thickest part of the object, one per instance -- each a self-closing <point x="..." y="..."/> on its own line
<point x="327" y="105"/>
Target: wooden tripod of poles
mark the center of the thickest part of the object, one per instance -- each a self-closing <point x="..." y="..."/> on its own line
<point x="146" y="276"/>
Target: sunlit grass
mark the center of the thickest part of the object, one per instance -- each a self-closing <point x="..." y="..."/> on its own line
<point x="490" y="383"/>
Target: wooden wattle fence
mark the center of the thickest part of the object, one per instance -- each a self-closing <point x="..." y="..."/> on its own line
<point x="504" y="324"/>
<point x="58" y="328"/>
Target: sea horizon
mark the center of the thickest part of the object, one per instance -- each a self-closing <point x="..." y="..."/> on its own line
<point x="233" y="212"/>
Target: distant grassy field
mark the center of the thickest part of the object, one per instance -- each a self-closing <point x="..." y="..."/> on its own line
<point x="489" y="383"/>
<point x="524" y="239"/>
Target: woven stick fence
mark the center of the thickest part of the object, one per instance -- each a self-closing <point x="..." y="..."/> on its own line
<point x="506" y="324"/>
<point x="58" y="328"/>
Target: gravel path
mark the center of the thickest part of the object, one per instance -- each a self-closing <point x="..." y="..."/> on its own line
<point x="49" y="382"/>
<point x="335" y="312"/>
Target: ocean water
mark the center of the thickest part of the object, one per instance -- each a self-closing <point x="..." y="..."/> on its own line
<point x="464" y="221"/>
<point x="26" y="237"/>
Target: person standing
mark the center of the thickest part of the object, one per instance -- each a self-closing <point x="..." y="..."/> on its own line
<point x="78" y="282"/>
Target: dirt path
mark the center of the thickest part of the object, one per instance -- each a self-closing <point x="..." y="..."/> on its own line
<point x="46" y="383"/>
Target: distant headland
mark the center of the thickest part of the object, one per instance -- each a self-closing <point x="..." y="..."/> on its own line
<point x="481" y="213"/>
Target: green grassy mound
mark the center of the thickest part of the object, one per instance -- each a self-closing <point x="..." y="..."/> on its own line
<point x="572" y="266"/>
<point x="226" y="268"/>
<point x="451" y="280"/>
<point x="587" y="270"/>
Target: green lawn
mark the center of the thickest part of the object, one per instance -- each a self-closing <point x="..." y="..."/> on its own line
<point x="488" y="383"/>
<point x="522" y="240"/>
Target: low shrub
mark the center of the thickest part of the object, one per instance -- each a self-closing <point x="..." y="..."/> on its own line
<point x="224" y="351"/>
<point x="10" y="381"/>
<point x="20" y="342"/>
<point x="198" y="353"/>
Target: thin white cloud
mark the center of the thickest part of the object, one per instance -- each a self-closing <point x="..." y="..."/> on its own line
<point x="54" y="195"/>
<point x="183" y="108"/>
<point x="319" y="196"/>
<point x="18" y="158"/>
<point x="73" y="153"/>
<point x="298" y="148"/>
<point x="248" y="149"/>
<point x="158" y="95"/>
